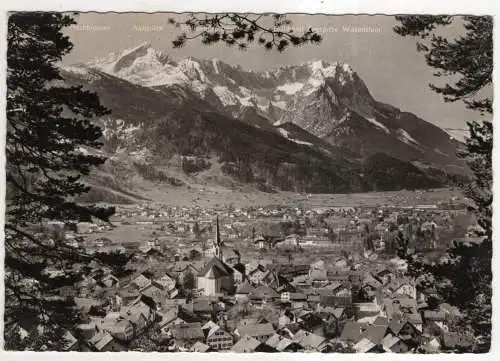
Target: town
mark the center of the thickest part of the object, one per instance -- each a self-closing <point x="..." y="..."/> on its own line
<point x="261" y="279"/>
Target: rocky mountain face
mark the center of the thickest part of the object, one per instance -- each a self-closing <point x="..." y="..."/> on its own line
<point x="312" y="127"/>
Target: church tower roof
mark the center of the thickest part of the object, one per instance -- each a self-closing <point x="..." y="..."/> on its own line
<point x="218" y="241"/>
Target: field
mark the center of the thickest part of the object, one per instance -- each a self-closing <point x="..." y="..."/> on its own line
<point x="214" y="197"/>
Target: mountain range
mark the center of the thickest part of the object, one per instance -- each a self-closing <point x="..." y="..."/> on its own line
<point x="313" y="127"/>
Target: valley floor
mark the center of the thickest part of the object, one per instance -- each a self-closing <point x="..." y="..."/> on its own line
<point x="213" y="197"/>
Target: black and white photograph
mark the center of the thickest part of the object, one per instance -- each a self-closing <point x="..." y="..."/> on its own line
<point x="248" y="182"/>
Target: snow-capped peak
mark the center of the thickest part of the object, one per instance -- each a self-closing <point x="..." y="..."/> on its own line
<point x="317" y="65"/>
<point x="191" y="67"/>
<point x="347" y="68"/>
<point x="216" y="63"/>
<point x="142" y="65"/>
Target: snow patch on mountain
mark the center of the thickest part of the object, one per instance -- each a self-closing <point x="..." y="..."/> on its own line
<point x="200" y="88"/>
<point x="147" y="74"/>
<point x="245" y="91"/>
<point x="80" y="71"/>
<point x="262" y="107"/>
<point x="280" y="104"/>
<point x="301" y="142"/>
<point x="226" y="96"/>
<point x="192" y="69"/>
<point x="406" y="137"/>
<point x="215" y="63"/>
<point x="283" y="132"/>
<point x="347" y="68"/>
<point x="378" y="125"/>
<point x="75" y="69"/>
<point x="247" y="101"/>
<point x="132" y="55"/>
<point x="286" y="135"/>
<point x="142" y="65"/>
<point x="316" y="65"/>
<point x="290" y="88"/>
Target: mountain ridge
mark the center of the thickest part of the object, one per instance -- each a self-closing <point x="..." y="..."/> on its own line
<point x="192" y="107"/>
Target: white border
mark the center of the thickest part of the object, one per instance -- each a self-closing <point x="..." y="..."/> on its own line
<point x="476" y="7"/>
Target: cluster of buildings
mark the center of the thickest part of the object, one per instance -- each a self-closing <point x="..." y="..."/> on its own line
<point x="223" y="299"/>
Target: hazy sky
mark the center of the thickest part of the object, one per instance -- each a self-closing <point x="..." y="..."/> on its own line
<point x="389" y="64"/>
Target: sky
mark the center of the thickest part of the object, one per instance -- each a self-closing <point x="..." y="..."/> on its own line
<point x="393" y="70"/>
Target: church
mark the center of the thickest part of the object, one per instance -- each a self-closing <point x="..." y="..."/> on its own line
<point x="216" y="277"/>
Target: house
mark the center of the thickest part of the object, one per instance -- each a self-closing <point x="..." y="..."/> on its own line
<point x="453" y="314"/>
<point x="335" y="294"/>
<point x="364" y="309"/>
<point x="368" y="291"/>
<point x="381" y="321"/>
<point x="433" y="315"/>
<point x="219" y="339"/>
<point x="139" y="314"/>
<point x="187" y="334"/>
<point x="309" y="340"/>
<point x="243" y="290"/>
<point x="291" y="242"/>
<point x="432" y="346"/>
<point x="239" y="273"/>
<point x="293" y="297"/>
<point x="333" y="319"/>
<point x="174" y="316"/>
<point x="261" y="243"/>
<point x="67" y="291"/>
<point x="156" y="292"/>
<point x="285" y="318"/>
<point x="248" y="344"/>
<point x="167" y="282"/>
<point x="110" y="281"/>
<point x="351" y="332"/>
<point x="264" y="293"/>
<point x="311" y="321"/>
<point x="385" y="276"/>
<point x="126" y="295"/>
<point x="404" y="288"/>
<point x="208" y="326"/>
<point x="215" y="278"/>
<point x="271" y="279"/>
<point x="457" y="341"/>
<point x="365" y="345"/>
<point x="104" y="342"/>
<point x="182" y="269"/>
<point x="248" y="321"/>
<point x="340" y="263"/>
<point x="399" y="326"/>
<point x="203" y="306"/>
<point x="314" y="301"/>
<point x="120" y="329"/>
<point x="318" y="270"/>
<point x="195" y="254"/>
<point x="260" y="331"/>
<point x="257" y="274"/>
<point x="375" y="333"/>
<point x="71" y="343"/>
<point x="173" y="302"/>
<point x="84" y="304"/>
<point x="342" y="294"/>
<point x="141" y="281"/>
<point x="88" y="330"/>
<point x="394" y="344"/>
<point x="283" y="344"/>
<point x="435" y="328"/>
<point x="200" y="347"/>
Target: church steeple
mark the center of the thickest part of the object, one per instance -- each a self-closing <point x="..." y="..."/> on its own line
<point x="217" y="241"/>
